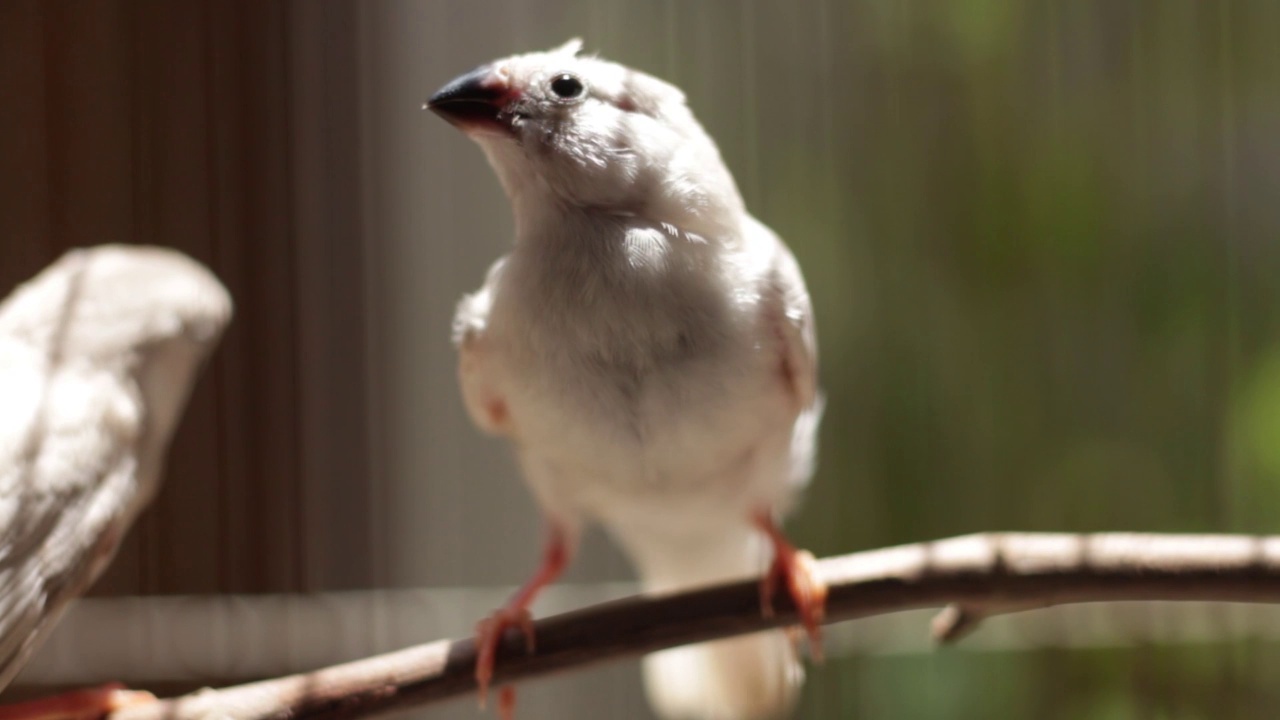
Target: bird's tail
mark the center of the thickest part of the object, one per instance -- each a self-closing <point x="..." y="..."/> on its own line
<point x="749" y="677"/>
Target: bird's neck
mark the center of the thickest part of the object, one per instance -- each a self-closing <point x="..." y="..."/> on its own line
<point x="540" y="209"/>
<point x="542" y="216"/>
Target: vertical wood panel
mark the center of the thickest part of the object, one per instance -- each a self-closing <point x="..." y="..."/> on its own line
<point x="169" y="123"/>
<point x="25" y="239"/>
<point x="330" y="263"/>
<point x="89" y="86"/>
<point x="271" y="501"/>
<point x="229" y="165"/>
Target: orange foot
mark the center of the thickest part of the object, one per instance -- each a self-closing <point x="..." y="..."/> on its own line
<point x="799" y="571"/>
<point x="507" y="703"/>
<point x="516" y="614"/>
<point x="488" y="636"/>
<point x="77" y="705"/>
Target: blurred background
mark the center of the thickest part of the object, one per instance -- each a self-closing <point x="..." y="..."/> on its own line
<point x="1043" y="240"/>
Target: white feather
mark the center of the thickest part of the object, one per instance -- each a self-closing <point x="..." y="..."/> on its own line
<point x="97" y="355"/>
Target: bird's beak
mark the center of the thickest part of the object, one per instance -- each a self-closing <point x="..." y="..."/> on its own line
<point x="475" y="102"/>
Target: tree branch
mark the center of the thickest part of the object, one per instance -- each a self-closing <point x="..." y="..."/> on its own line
<point x="975" y="576"/>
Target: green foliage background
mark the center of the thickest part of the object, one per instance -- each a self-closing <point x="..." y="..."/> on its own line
<point x="1043" y="240"/>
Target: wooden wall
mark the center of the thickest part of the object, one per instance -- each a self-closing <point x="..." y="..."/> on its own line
<point x="187" y="124"/>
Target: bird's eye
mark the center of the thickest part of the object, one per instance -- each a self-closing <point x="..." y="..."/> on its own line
<point x="567" y="87"/>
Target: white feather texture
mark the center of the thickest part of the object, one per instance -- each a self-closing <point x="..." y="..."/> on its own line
<point x="649" y="348"/>
<point x="97" y="355"/>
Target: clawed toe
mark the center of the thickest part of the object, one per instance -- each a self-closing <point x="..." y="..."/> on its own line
<point x="87" y="704"/>
<point x="489" y="635"/>
<point x="798" y="571"/>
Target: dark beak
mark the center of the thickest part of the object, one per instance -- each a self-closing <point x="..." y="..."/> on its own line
<point x="475" y="101"/>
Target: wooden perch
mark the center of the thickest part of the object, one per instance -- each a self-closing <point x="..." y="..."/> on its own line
<point x="975" y="576"/>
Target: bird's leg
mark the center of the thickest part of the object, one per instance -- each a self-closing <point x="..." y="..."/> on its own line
<point x="77" y="705"/>
<point x="555" y="556"/>
<point x="798" y="570"/>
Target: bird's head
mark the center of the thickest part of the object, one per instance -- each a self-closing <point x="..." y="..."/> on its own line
<point x="563" y="127"/>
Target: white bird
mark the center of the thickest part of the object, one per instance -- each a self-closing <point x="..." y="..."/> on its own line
<point x="648" y="347"/>
<point x="97" y="356"/>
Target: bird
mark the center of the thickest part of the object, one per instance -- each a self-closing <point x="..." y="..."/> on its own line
<point x="98" y="354"/>
<point x="648" y="348"/>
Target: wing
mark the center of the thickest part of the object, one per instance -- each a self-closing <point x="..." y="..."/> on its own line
<point x="480" y="394"/>
<point x="97" y="354"/>
<point x="67" y="461"/>
<point x="789" y="313"/>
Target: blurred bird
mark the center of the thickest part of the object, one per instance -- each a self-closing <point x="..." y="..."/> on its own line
<point x="97" y="356"/>
<point x="648" y="346"/>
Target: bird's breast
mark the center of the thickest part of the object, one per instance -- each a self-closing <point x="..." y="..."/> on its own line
<point x="621" y="327"/>
<point x="646" y="382"/>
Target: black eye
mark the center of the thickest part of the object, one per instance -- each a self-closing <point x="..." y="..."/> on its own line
<point x="567" y="86"/>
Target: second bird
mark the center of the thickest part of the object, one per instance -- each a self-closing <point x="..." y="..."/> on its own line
<point x="648" y="347"/>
